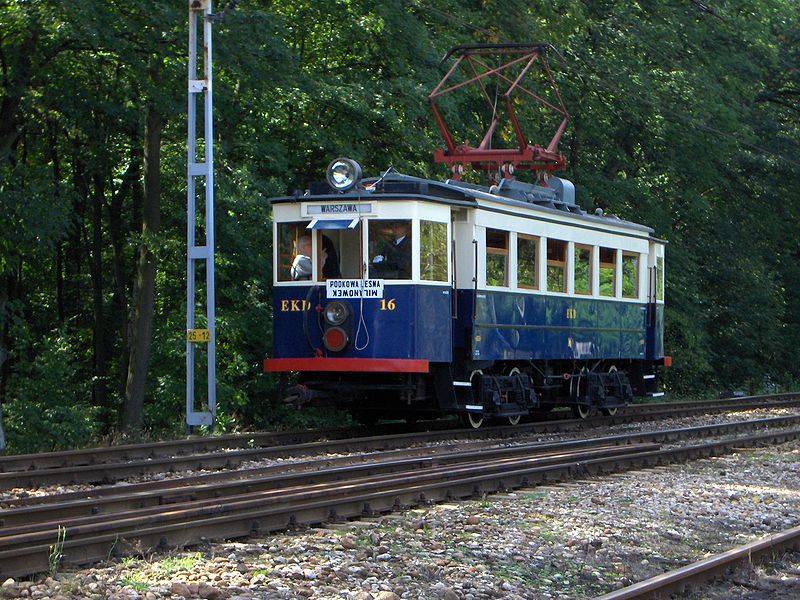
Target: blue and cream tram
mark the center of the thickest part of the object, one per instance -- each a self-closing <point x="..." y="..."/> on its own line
<point x="413" y="297"/>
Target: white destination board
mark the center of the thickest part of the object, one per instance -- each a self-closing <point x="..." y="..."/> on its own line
<point x="354" y="288"/>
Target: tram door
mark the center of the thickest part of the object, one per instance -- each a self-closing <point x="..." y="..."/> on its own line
<point x="339" y="253"/>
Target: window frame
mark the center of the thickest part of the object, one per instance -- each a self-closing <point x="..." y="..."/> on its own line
<point x="413" y="232"/>
<point x="495" y="251"/>
<point x="613" y="266"/>
<point x="446" y="259"/>
<point x="536" y="242"/>
<point x="577" y="248"/>
<point x="557" y="263"/>
<point x="301" y="228"/>
<point x="637" y="284"/>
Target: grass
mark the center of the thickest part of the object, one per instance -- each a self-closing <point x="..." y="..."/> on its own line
<point x="56" y="554"/>
<point x="168" y="566"/>
<point x="136" y="584"/>
<point x="533" y="496"/>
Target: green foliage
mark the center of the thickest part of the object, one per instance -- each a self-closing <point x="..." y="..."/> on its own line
<point x="56" y="551"/>
<point x="48" y="405"/>
<point x="172" y="565"/>
<point x="681" y="118"/>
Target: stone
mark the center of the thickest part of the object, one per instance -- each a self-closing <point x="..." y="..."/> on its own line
<point x="180" y="589"/>
<point x="449" y="594"/>
<point x="348" y="542"/>
<point x="209" y="592"/>
<point x="387" y="596"/>
<point x="473" y="520"/>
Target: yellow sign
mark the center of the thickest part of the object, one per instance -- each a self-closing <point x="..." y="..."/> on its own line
<point x="198" y="336"/>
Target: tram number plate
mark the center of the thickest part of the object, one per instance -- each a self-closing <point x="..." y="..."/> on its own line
<point x="198" y="336"/>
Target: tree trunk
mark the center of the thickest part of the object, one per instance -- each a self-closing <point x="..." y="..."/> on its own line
<point x="2" y="431"/>
<point x="116" y="228"/>
<point x="55" y="158"/>
<point x="144" y="291"/>
<point x="100" y="384"/>
<point x="3" y="356"/>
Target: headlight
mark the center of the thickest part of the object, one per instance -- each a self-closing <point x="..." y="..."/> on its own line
<point x="343" y="174"/>
<point x="336" y="312"/>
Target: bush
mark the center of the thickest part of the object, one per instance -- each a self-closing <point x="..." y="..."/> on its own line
<point x="48" y="405"/>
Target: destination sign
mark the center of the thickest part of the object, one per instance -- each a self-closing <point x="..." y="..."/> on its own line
<point x="354" y="288"/>
<point x="355" y="208"/>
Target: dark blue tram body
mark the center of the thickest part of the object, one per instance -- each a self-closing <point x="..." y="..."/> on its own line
<point x="516" y="301"/>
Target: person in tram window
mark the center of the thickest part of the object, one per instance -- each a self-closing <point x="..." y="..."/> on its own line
<point x="394" y="261"/>
<point x="330" y="259"/>
<point x="301" y="265"/>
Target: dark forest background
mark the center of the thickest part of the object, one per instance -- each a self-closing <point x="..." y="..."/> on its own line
<point x="685" y="116"/>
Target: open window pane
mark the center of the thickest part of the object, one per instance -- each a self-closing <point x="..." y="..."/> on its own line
<point x="583" y="269"/>
<point x="433" y="250"/>
<point x="527" y="270"/>
<point x="630" y="275"/>
<point x="496" y="257"/>
<point x="660" y="278"/>
<point x="390" y="248"/>
<point x="608" y="267"/>
<point x="556" y="266"/>
<point x="294" y="252"/>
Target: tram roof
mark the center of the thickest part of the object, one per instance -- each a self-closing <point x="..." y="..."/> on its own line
<point x="396" y="186"/>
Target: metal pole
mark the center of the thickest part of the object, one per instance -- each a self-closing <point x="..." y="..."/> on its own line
<point x="198" y="168"/>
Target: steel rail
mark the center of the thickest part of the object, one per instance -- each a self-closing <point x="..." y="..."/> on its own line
<point x="291" y="491"/>
<point x="273" y="478"/>
<point x="173" y="448"/>
<point x="105" y="473"/>
<point x="661" y="586"/>
<point x="93" y="497"/>
<point x="342" y="500"/>
<point x="188" y="446"/>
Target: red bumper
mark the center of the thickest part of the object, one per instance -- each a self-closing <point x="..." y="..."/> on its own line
<point x="351" y="365"/>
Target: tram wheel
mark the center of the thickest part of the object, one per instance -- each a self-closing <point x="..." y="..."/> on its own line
<point x="581" y="411"/>
<point x="472" y="419"/>
<point x="516" y="418"/>
<point x="610" y="412"/>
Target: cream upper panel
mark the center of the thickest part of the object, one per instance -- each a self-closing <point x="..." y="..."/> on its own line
<point x="566" y="231"/>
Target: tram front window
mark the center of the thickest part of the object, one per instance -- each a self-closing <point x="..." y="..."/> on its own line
<point x="390" y="249"/>
<point x="294" y="251"/>
<point x="339" y="253"/>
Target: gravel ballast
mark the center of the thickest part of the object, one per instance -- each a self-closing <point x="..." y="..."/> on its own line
<point x="573" y="540"/>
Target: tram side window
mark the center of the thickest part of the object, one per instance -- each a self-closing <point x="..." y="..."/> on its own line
<point x="294" y="252"/>
<point x="630" y="275"/>
<point x="556" y="266"/>
<point x="433" y="250"/>
<point x="583" y="269"/>
<point x="496" y="257"/>
<point x="660" y="278"/>
<point x="390" y="248"/>
<point x="527" y="268"/>
<point x="608" y="267"/>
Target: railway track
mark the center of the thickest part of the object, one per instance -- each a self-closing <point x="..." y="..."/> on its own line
<point x="139" y="517"/>
<point x="662" y="586"/>
<point x="110" y="465"/>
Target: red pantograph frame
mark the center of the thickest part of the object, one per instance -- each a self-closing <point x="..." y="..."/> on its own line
<point x="526" y="155"/>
